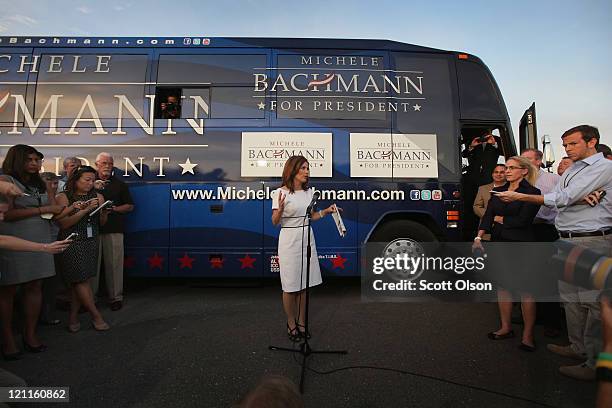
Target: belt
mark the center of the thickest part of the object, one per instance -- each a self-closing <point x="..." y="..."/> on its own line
<point x="570" y="234"/>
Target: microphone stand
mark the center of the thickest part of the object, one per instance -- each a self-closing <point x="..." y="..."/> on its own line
<point x="305" y="350"/>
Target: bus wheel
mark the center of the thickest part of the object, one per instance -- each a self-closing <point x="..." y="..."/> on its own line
<point x="403" y="238"/>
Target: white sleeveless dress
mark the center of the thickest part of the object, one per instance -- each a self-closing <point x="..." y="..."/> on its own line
<point x="292" y="242"/>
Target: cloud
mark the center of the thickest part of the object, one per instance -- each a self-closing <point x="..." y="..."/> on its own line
<point x="85" y="10"/>
<point x="121" y="7"/>
<point x="21" y="19"/>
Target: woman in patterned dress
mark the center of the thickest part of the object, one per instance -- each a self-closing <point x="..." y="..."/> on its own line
<point x="80" y="261"/>
<point x="289" y="205"/>
<point x="23" y="220"/>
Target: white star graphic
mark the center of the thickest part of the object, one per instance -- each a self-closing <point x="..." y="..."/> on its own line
<point x="187" y="167"/>
<point x="417" y="108"/>
<point x="261" y="105"/>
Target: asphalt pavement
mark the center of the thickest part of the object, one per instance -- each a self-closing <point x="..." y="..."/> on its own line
<point x="204" y="344"/>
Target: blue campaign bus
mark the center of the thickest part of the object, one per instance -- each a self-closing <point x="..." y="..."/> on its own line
<point x="201" y="127"/>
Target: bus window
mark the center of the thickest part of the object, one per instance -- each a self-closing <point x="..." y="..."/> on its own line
<point x="99" y="77"/>
<point x="201" y="70"/>
<point x="219" y="86"/>
<point x="13" y="84"/>
<point x="234" y="103"/>
<point x="478" y="94"/>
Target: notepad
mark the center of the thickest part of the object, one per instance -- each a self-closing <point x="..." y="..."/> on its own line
<point x="339" y="224"/>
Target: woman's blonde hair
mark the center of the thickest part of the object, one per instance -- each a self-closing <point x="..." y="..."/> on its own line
<point x="524" y="163"/>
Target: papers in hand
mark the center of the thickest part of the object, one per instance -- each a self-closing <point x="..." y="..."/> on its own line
<point x="338" y="221"/>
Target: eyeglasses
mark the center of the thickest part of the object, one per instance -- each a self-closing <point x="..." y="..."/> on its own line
<point x="513" y="168"/>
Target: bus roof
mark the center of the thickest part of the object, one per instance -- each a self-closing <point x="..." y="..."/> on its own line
<point x="204" y="42"/>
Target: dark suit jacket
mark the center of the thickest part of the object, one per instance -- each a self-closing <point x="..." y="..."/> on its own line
<point x="481" y="163"/>
<point x="518" y="216"/>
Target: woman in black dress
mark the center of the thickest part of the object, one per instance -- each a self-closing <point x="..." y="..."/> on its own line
<point x="512" y="222"/>
<point x="80" y="261"/>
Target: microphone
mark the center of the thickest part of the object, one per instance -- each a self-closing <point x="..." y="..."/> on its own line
<point x="315" y="197"/>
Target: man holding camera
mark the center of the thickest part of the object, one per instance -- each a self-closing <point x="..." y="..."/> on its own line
<point x="482" y="154"/>
<point x="111" y="234"/>
<point x="171" y="109"/>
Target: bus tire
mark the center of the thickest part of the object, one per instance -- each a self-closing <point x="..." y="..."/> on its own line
<point x="403" y="237"/>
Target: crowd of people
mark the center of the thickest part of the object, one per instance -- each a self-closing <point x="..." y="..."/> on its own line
<point x="52" y="237"/>
<point x="529" y="204"/>
<point x="55" y="240"/>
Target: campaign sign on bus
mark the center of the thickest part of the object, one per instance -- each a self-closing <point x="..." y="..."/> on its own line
<point x="393" y="155"/>
<point x="264" y="153"/>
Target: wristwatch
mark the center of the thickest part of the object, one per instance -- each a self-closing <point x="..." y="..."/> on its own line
<point x="477" y="239"/>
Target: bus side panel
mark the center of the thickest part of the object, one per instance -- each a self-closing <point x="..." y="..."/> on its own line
<point x="147" y="233"/>
<point x="217" y="229"/>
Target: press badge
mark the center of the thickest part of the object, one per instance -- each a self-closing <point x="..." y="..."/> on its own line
<point x="89" y="230"/>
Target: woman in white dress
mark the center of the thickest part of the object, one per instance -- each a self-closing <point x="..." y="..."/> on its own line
<point x="289" y="204"/>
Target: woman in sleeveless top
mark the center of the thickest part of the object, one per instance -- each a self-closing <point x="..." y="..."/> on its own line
<point x="289" y="205"/>
<point x="23" y="220"/>
<point x="80" y="261"/>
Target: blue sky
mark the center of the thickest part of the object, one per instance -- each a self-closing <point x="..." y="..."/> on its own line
<point x="556" y="53"/>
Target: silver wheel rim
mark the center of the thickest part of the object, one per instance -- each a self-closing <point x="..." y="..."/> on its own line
<point x="403" y="246"/>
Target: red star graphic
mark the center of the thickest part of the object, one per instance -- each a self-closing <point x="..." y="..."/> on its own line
<point x="338" y="261"/>
<point x="216" y="262"/>
<point x="129" y="262"/>
<point x="186" y="261"/>
<point x="247" y="262"/>
<point x="155" y="261"/>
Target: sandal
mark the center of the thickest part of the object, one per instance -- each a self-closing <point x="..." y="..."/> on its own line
<point x="303" y="333"/>
<point x="100" y="326"/>
<point x="494" y="336"/>
<point x="293" y="334"/>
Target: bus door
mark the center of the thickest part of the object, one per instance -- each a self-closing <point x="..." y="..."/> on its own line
<point x="206" y="96"/>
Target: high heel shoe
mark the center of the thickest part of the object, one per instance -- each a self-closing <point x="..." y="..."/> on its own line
<point x="293" y="334"/>
<point x="34" y="349"/>
<point x="303" y="333"/>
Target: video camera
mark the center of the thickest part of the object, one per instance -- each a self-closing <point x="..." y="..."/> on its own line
<point x="172" y="110"/>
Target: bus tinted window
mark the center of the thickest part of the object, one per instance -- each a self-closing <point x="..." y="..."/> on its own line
<point x="478" y="94"/>
<point x="430" y="105"/>
<point x="12" y="84"/>
<point x="208" y="69"/>
<point x="99" y="76"/>
<point x="234" y="103"/>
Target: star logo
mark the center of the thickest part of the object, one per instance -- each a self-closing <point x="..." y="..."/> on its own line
<point x="261" y="105"/>
<point x="338" y="261"/>
<point x="188" y="167"/>
<point x="216" y="262"/>
<point x="155" y="261"/>
<point x="417" y="107"/>
<point x="186" y="261"/>
<point x="247" y="262"/>
<point x="129" y="262"/>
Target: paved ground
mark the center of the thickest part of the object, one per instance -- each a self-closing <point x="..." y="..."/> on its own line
<point x="190" y="345"/>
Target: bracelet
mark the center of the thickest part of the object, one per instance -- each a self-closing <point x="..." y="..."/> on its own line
<point x="477" y="239"/>
<point x="604" y="356"/>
